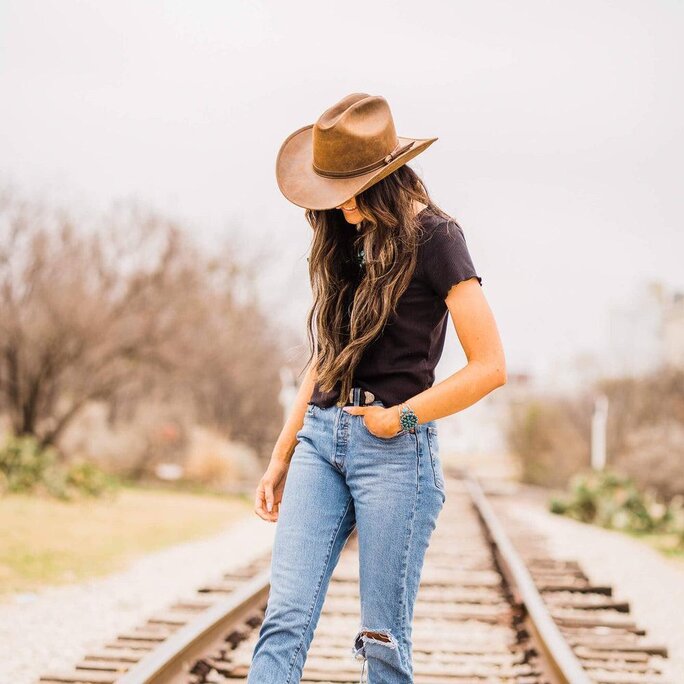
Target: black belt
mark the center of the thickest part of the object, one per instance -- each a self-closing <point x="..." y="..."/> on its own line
<point x="360" y="397"/>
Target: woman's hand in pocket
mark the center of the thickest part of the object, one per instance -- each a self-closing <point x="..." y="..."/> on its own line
<point x="269" y="492"/>
<point x="379" y="421"/>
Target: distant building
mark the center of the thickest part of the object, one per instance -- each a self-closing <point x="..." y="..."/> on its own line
<point x="572" y="373"/>
<point x="644" y="335"/>
<point x="635" y="333"/>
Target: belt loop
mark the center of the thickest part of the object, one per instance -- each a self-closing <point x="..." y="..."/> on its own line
<point x="357" y="396"/>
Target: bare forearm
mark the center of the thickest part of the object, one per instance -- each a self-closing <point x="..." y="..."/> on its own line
<point x="460" y="390"/>
<point x="286" y="442"/>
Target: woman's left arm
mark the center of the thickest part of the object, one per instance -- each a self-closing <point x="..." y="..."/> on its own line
<point x="486" y="368"/>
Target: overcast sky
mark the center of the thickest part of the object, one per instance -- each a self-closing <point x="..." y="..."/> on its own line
<point x="560" y="130"/>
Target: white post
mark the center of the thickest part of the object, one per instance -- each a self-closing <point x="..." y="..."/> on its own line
<point x="598" y="432"/>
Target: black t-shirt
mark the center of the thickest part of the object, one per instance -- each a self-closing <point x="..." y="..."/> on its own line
<point x="400" y="362"/>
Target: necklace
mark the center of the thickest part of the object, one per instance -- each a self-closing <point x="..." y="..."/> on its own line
<point x="361" y="258"/>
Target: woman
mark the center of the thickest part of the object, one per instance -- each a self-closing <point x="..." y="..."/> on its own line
<point x="359" y="448"/>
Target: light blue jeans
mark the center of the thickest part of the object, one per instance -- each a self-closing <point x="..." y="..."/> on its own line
<point x="392" y="489"/>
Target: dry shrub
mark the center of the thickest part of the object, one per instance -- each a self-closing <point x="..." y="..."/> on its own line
<point x="218" y="463"/>
<point x="646" y="428"/>
<point x="131" y="446"/>
<point x="550" y="438"/>
<point x="638" y="402"/>
<point x="645" y="432"/>
<point x="653" y="455"/>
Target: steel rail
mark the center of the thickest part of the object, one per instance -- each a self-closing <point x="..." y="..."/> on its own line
<point x="559" y="655"/>
<point x="538" y="649"/>
<point x="172" y="658"/>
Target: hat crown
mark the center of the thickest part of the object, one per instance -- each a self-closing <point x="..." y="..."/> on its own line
<point x="353" y="134"/>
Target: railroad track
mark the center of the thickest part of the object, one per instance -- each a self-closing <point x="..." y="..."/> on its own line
<point x="486" y="614"/>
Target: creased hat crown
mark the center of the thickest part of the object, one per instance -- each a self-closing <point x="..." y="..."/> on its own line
<point x="353" y="134"/>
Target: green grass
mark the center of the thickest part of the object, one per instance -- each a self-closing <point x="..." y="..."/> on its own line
<point x="668" y="544"/>
<point x="44" y="541"/>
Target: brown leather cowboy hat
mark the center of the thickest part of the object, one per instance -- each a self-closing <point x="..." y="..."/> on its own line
<point x="352" y="146"/>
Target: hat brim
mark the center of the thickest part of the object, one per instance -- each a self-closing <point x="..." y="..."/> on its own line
<point x="302" y="186"/>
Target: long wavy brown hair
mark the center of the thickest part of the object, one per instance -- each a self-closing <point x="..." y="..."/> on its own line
<point x="351" y="306"/>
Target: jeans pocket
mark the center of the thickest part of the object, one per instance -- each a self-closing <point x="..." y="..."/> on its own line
<point x="393" y="438"/>
<point x="433" y="446"/>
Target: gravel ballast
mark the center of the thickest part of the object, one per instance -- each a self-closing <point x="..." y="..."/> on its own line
<point x="52" y="629"/>
<point x="652" y="583"/>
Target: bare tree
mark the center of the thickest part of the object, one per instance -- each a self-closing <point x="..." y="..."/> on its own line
<point x="122" y="309"/>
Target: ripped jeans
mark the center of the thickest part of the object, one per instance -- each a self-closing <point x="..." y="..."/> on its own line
<point x="392" y="489"/>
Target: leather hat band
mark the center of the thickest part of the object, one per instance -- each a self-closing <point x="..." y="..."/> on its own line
<point x="399" y="149"/>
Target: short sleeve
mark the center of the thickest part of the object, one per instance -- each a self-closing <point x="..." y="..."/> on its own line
<point x="446" y="259"/>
